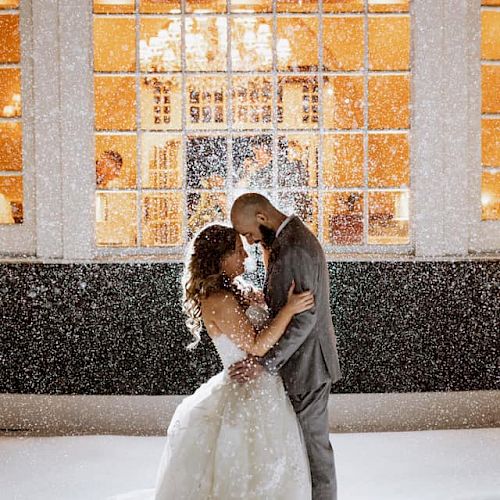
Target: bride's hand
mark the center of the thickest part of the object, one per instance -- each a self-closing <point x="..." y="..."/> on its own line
<point x="299" y="302"/>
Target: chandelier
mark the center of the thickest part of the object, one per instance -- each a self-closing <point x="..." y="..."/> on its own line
<point x="251" y="45"/>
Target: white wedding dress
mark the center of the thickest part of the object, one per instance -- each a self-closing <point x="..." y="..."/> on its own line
<point x="233" y="441"/>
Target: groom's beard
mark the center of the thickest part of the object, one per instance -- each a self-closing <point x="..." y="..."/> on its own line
<point x="268" y="236"/>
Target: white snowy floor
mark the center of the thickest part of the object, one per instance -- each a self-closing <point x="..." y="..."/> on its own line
<point x="440" y="465"/>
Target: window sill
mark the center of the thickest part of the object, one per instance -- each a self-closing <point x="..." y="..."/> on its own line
<point x="176" y="259"/>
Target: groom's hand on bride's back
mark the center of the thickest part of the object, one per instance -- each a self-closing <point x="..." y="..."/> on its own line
<point x="246" y="370"/>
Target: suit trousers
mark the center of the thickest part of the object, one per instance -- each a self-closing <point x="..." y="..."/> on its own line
<point x="312" y="412"/>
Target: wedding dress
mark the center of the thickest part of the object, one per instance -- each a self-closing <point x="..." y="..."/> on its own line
<point x="231" y="441"/>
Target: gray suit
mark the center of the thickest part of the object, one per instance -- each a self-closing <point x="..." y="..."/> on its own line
<point x="306" y="356"/>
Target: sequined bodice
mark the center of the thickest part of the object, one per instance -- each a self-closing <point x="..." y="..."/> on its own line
<point x="228" y="351"/>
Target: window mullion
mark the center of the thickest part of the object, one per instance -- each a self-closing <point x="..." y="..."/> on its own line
<point x="76" y="131"/>
<point x="47" y="130"/>
<point x="458" y="119"/>
<point x="427" y="131"/>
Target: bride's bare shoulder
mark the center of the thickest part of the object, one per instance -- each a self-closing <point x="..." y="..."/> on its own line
<point x="217" y="300"/>
<point x="220" y="312"/>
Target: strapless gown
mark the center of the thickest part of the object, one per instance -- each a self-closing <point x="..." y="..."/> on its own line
<point x="230" y="441"/>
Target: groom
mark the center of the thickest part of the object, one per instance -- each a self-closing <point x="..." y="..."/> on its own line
<point x="306" y="356"/>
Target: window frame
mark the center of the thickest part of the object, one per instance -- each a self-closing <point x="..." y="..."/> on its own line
<point x="484" y="235"/>
<point x="19" y="239"/>
<point x="445" y="53"/>
<point x="229" y="132"/>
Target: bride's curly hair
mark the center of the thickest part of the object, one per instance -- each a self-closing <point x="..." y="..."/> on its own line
<point x="203" y="273"/>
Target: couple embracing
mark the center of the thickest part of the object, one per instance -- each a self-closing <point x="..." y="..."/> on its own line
<point x="259" y="429"/>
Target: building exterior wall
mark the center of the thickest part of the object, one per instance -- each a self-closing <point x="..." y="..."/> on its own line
<point x="118" y="328"/>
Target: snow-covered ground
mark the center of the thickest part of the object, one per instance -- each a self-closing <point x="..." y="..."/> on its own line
<point x="440" y="465"/>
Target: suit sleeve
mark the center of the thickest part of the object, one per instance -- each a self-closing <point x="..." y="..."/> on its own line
<point x="296" y="265"/>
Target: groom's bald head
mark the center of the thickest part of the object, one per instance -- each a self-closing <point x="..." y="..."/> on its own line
<point x="249" y="204"/>
<point x="255" y="217"/>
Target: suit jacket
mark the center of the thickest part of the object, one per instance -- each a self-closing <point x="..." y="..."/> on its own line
<point x="306" y="355"/>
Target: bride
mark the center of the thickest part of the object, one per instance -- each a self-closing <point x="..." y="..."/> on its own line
<point x="228" y="440"/>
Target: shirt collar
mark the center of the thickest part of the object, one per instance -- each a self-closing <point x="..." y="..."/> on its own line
<point x="283" y="224"/>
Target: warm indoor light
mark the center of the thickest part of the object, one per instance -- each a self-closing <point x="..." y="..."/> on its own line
<point x="283" y="49"/>
<point x="385" y="2"/>
<point x="402" y="206"/>
<point x="486" y="199"/>
<point x="359" y="103"/>
<point x="115" y="2"/>
<point x="8" y="111"/>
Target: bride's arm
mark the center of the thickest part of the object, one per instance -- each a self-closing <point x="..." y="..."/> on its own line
<point x="224" y="311"/>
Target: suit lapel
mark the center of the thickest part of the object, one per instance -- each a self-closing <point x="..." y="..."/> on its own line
<point x="275" y="252"/>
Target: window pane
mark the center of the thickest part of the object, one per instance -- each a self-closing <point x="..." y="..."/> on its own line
<point x="388" y="218"/>
<point x="206" y="43"/>
<point x="343" y="102"/>
<point x="11" y="140"/>
<point x="11" y="146"/>
<point x="490" y="34"/>
<point x="304" y="205"/>
<point x="297" y="6"/>
<point x="298" y="102"/>
<point x="251" y="44"/>
<point x="388" y="5"/>
<point x="114" y="44"/>
<point x="115" y="102"/>
<point x="254" y="6"/>
<point x="343" y="43"/>
<point x="252" y="102"/>
<point x="11" y="200"/>
<point x="161" y="103"/>
<point x="116" y="165"/>
<point x="9" y="4"/>
<point x="10" y="51"/>
<point x="343" y="218"/>
<point x="160" y="6"/>
<point x="490" y="125"/>
<point x="160" y="44"/>
<point x="116" y="219"/>
<point x="201" y="6"/>
<point x="113" y="6"/>
<point x="389" y="43"/>
<point x="206" y="162"/>
<point x="388" y="102"/>
<point x="185" y="131"/>
<point x="490" y="196"/>
<point x="388" y="160"/>
<point x="298" y="160"/>
<point x="162" y="215"/>
<point x="491" y="142"/>
<point x="343" y="160"/>
<point x="161" y="161"/>
<point x="297" y="43"/>
<point x="490" y="89"/>
<point x="343" y="6"/>
<point x="206" y="102"/>
<point x="10" y="93"/>
<point x="253" y="161"/>
<point x="205" y="208"/>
